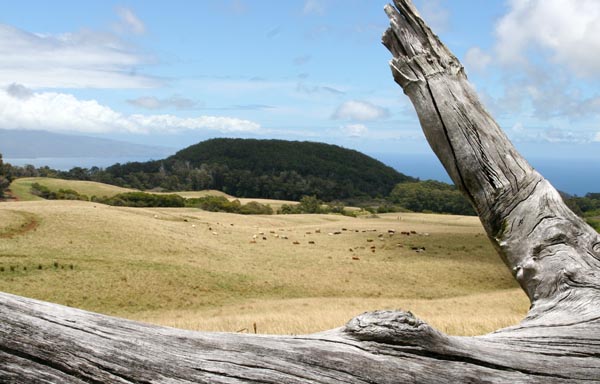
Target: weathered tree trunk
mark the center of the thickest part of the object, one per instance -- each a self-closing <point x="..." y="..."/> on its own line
<point x="553" y="254"/>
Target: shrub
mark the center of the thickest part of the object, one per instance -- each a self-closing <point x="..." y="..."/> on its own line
<point x="433" y="196"/>
<point x="254" y="208"/>
<point x="142" y="199"/>
<point x="62" y="194"/>
<point x="214" y="204"/>
<point x="222" y="204"/>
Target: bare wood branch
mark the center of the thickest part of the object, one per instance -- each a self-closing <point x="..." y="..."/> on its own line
<point x="553" y="254"/>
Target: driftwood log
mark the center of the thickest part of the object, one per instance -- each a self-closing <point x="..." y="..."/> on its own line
<point x="552" y="253"/>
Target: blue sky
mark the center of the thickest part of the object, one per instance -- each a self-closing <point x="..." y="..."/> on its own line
<point x="174" y="73"/>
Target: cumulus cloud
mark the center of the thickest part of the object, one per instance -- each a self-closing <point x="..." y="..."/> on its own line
<point x="65" y="113"/>
<point x="354" y="130"/>
<point x="567" y="30"/>
<point x="151" y="102"/>
<point x="477" y="59"/>
<point x="130" y="22"/>
<point x="359" y="111"/>
<point x="85" y="59"/>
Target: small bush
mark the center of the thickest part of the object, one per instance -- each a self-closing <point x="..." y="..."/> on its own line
<point x="222" y="204"/>
<point x="142" y="200"/>
<point x="594" y="223"/>
<point x="308" y="204"/>
<point x="62" y="194"/>
<point x="255" y="208"/>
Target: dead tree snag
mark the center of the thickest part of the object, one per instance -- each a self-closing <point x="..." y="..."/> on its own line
<point x="553" y="254"/>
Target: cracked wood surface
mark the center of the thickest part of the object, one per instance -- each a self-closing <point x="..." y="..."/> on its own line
<point x="553" y="254"/>
<point x="44" y="342"/>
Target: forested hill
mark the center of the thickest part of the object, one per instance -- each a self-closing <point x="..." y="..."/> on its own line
<point x="275" y="169"/>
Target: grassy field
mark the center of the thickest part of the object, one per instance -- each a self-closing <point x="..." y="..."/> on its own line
<point x="21" y="188"/>
<point x="286" y="273"/>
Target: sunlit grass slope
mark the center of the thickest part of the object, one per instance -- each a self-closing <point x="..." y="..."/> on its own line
<point x="287" y="273"/>
<point x="21" y="188"/>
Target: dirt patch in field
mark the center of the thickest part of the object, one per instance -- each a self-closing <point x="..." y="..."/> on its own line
<point x="24" y="223"/>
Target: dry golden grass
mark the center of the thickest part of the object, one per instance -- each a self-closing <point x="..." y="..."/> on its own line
<point x="156" y="264"/>
<point x="21" y="187"/>
<point x="465" y="315"/>
<point x="204" y="193"/>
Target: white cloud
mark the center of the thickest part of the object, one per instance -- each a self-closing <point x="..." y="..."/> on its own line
<point x="597" y="137"/>
<point x="151" y="102"/>
<point x="313" y="6"/>
<point x="130" y="21"/>
<point x="85" y="59"/>
<point x="238" y="7"/>
<point x="360" y="111"/>
<point x="301" y="60"/>
<point x="63" y="112"/>
<point x="435" y="14"/>
<point x="476" y="59"/>
<point x="19" y="91"/>
<point x="354" y="130"/>
<point x="565" y="30"/>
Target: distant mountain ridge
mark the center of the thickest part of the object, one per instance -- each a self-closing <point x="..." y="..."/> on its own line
<point x="276" y="169"/>
<point x="16" y="143"/>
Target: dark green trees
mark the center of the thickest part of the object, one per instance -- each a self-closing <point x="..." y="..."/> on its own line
<point x="275" y="169"/>
<point x="431" y="196"/>
<point x="4" y="178"/>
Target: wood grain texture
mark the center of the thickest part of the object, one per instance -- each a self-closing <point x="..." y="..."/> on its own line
<point x="553" y="254"/>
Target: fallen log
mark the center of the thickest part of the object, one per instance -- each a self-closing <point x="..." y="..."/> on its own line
<point x="552" y="253"/>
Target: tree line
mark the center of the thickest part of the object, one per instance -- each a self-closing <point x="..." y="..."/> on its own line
<point x="385" y="191"/>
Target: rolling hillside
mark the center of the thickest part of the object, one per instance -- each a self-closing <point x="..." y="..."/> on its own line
<point x="287" y="273"/>
<point x="21" y="188"/>
<point x="273" y="169"/>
